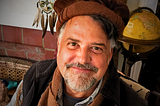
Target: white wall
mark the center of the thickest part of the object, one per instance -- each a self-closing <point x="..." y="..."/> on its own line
<point x="18" y="13"/>
<point x="133" y="4"/>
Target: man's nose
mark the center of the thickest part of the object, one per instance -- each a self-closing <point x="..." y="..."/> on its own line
<point x="84" y="56"/>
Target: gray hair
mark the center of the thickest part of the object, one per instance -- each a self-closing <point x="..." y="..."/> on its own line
<point x="107" y="25"/>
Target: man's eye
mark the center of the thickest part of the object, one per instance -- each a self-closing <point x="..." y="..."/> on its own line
<point x="72" y="45"/>
<point x="97" y="49"/>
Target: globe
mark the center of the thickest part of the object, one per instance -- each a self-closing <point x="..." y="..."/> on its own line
<point x="142" y="26"/>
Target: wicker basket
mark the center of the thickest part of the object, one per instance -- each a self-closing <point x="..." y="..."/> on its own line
<point x="13" y="69"/>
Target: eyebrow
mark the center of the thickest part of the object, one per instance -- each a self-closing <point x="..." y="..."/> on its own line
<point x="75" y="40"/>
<point x="99" y="44"/>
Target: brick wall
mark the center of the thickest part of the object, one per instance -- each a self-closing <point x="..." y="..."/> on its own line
<point x="27" y="43"/>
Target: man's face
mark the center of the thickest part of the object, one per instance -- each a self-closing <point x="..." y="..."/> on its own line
<point x="83" y="53"/>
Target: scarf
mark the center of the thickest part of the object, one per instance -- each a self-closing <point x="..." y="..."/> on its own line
<point x="54" y="89"/>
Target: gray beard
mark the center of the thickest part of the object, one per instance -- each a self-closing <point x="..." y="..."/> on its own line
<point x="80" y="82"/>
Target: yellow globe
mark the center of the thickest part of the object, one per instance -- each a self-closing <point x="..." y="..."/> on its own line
<point x="142" y="26"/>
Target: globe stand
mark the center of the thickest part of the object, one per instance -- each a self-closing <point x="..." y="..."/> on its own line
<point x="130" y="58"/>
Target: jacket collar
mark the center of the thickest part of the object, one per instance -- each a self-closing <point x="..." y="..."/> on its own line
<point x="111" y="88"/>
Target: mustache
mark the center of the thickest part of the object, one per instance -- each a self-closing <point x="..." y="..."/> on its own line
<point x="82" y="66"/>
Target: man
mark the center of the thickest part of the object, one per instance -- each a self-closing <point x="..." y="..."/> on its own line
<point x="83" y="73"/>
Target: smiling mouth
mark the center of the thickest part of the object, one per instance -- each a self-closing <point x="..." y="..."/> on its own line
<point x="82" y="69"/>
<point x="79" y="66"/>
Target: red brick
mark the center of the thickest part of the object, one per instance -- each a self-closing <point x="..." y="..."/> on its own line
<point x="40" y="50"/>
<point x="49" y="54"/>
<point x="32" y="49"/>
<point x="2" y="52"/>
<point x="12" y="34"/>
<point x="26" y="48"/>
<point x="35" y="56"/>
<point x="6" y="45"/>
<point x="50" y="41"/>
<point x="20" y="47"/>
<point x="13" y="53"/>
<point x="32" y="37"/>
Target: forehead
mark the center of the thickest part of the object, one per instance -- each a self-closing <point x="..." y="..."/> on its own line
<point x="84" y="26"/>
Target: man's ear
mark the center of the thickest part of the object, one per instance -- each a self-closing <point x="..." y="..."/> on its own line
<point x="110" y="55"/>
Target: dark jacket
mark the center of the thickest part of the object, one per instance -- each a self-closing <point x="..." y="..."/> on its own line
<point x="115" y="91"/>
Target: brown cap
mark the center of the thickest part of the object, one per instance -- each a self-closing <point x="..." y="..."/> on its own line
<point x="115" y="10"/>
